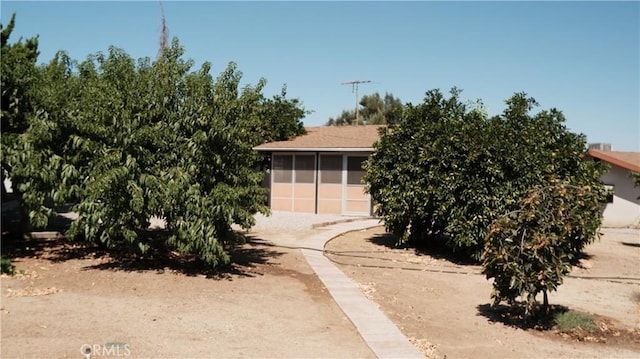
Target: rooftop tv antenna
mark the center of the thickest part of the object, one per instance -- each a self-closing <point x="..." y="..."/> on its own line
<point x="164" y="32"/>
<point x="354" y="88"/>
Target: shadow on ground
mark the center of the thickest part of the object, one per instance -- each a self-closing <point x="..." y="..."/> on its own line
<point x="52" y="246"/>
<point x="243" y="257"/>
<point x="430" y="247"/>
<point x="514" y="316"/>
<point x="631" y="244"/>
<point x="604" y="330"/>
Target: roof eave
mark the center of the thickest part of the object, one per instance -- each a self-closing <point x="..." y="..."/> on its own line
<point x="314" y="149"/>
<point x="613" y="160"/>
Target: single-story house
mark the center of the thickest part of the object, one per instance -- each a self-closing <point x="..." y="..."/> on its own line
<point x="623" y="208"/>
<point x="321" y="171"/>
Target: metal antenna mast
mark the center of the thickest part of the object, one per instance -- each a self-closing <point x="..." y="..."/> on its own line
<point x="164" y="32"/>
<point x="354" y="88"/>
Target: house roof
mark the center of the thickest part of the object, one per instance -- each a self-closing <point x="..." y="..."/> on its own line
<point x="627" y="160"/>
<point x="328" y="138"/>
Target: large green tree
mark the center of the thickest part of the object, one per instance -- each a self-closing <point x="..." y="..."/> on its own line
<point x="517" y="187"/>
<point x="447" y="171"/>
<point x="175" y="144"/>
<point x="31" y="98"/>
<point x="19" y="76"/>
<point x="125" y="140"/>
<point x="374" y="110"/>
<point x="118" y="130"/>
<point x="418" y="171"/>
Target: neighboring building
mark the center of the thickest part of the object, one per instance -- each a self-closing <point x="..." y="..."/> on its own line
<point x="623" y="209"/>
<point x="321" y="171"/>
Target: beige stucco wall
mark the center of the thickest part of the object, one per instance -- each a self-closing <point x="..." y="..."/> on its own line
<point x="625" y="209"/>
<point x="304" y="198"/>
<point x="293" y="197"/>
<point x="357" y="200"/>
<point x="330" y="198"/>
<point x="282" y="197"/>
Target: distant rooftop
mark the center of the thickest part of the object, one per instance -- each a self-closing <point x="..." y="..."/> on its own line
<point x="627" y="160"/>
<point x="329" y="138"/>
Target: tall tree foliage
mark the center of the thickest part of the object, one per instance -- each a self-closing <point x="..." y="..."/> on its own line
<point x="419" y="172"/>
<point x="280" y="118"/>
<point x="117" y="139"/>
<point x="18" y="75"/>
<point x="125" y="140"/>
<point x="447" y="172"/>
<point x="28" y="131"/>
<point x="375" y="111"/>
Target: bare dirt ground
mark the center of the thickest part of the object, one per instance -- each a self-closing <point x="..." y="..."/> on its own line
<point x="270" y="304"/>
<point x="444" y="307"/>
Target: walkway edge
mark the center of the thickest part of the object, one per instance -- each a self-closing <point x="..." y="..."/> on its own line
<point x="378" y="331"/>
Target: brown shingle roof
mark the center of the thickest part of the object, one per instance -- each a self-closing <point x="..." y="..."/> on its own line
<point x="328" y="138"/>
<point x="628" y="160"/>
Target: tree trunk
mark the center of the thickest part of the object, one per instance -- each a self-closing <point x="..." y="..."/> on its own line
<point x="545" y="302"/>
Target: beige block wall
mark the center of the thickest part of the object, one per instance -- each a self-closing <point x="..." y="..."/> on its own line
<point x="304" y="190"/>
<point x="304" y="205"/>
<point x="280" y="204"/>
<point x="330" y="191"/>
<point x="282" y="197"/>
<point x="330" y="207"/>
<point x="357" y="199"/>
<point x="358" y="206"/>
<point x="281" y="190"/>
<point x="330" y="198"/>
<point x="305" y="198"/>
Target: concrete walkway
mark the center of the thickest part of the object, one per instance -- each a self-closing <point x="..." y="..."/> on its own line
<point x="380" y="334"/>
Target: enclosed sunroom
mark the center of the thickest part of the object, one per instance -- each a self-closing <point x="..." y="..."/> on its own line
<point x="321" y="171"/>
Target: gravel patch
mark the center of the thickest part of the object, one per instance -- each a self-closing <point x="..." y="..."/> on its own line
<point x="282" y="222"/>
<point x="289" y="222"/>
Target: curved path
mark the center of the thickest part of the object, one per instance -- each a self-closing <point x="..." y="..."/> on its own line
<point x="380" y="334"/>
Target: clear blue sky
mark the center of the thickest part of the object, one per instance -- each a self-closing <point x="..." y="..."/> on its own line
<point x="580" y="57"/>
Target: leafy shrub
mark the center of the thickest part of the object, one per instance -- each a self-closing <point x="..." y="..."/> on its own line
<point x="447" y="171"/>
<point x="529" y="250"/>
<point x="6" y="267"/>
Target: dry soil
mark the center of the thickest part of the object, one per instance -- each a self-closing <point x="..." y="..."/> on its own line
<point x="444" y="307"/>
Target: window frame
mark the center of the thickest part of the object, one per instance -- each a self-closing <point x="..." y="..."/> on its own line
<point x="349" y="172"/>
<point x="287" y="172"/>
<point x="300" y="173"/>
<point x="292" y="177"/>
<point x="339" y="169"/>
